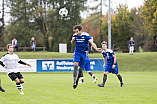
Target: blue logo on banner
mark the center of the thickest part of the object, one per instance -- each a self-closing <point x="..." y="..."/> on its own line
<point x="66" y="65"/>
<point x="47" y="65"/>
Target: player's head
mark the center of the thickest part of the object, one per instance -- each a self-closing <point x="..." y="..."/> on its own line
<point x="78" y="29"/>
<point x="104" y="45"/>
<point x="10" y="48"/>
<point x="32" y="38"/>
<point x="131" y="38"/>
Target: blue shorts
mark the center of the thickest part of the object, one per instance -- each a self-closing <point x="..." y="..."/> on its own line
<point x="80" y="57"/>
<point x="87" y="64"/>
<point x="108" y="68"/>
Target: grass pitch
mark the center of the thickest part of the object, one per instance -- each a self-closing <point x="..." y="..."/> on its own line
<point x="52" y="88"/>
<point x="138" y="71"/>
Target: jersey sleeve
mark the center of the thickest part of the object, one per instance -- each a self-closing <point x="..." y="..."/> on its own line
<point x="112" y="53"/>
<point x="3" y="58"/>
<point x="103" y="54"/>
<point x="88" y="36"/>
<point x="74" y="35"/>
<point x="18" y="59"/>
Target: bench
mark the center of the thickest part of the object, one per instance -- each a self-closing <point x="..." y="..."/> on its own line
<point x="3" y="48"/>
<point x="24" y="48"/>
<point x="29" y="48"/>
<point x="125" y="51"/>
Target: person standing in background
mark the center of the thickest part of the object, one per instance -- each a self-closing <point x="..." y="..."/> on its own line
<point x="33" y="43"/>
<point x="131" y="46"/>
<point x="15" y="44"/>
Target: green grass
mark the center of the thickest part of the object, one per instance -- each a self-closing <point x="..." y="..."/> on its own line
<point x="138" y="71"/>
<point x="56" y="88"/>
<point x="145" y="61"/>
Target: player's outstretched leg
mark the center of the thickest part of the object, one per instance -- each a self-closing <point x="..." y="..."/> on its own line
<point x="1" y="89"/>
<point x="120" y="79"/>
<point x="19" y="86"/>
<point x="74" y="76"/>
<point x="104" y="80"/>
<point x="92" y="75"/>
<point x="82" y="79"/>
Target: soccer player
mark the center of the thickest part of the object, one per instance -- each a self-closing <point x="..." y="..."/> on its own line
<point x="110" y="64"/>
<point x="131" y="46"/>
<point x="88" y="69"/>
<point x="1" y="87"/>
<point x="81" y="39"/>
<point x="10" y="62"/>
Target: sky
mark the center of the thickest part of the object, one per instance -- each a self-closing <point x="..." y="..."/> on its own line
<point x="114" y="5"/>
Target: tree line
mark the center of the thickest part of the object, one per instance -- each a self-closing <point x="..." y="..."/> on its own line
<point x="140" y="23"/>
<point x="40" y="19"/>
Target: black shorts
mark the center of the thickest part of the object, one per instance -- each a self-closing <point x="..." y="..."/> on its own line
<point x="13" y="75"/>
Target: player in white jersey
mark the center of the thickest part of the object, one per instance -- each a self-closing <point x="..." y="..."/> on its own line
<point x="10" y="62"/>
<point x="110" y="64"/>
<point x="81" y="39"/>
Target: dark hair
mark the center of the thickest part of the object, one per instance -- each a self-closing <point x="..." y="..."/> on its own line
<point x="104" y="43"/>
<point x="9" y="46"/>
<point x="79" y="27"/>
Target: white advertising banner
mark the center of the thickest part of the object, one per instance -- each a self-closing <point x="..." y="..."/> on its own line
<point x="25" y="68"/>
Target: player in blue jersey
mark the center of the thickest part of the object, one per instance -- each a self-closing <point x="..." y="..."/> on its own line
<point x="88" y="69"/>
<point x="110" y="64"/>
<point x="81" y="39"/>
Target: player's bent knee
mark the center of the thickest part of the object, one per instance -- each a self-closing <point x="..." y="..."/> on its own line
<point x="21" y="82"/>
<point x="88" y="72"/>
<point x="75" y="67"/>
<point x="105" y="73"/>
<point x="117" y="74"/>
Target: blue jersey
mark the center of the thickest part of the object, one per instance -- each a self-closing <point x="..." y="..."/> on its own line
<point x="109" y="56"/>
<point x="131" y="43"/>
<point x="82" y="42"/>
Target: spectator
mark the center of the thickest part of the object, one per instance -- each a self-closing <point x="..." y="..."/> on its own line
<point x="33" y="43"/>
<point x="15" y="44"/>
<point x="131" y="46"/>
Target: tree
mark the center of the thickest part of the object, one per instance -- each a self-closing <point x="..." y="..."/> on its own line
<point x="41" y="18"/>
<point x="120" y="27"/>
<point x="150" y="24"/>
<point x="2" y="24"/>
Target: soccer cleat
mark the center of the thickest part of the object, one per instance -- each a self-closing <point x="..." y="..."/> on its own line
<point x="22" y="93"/>
<point x="75" y="83"/>
<point x="95" y="80"/>
<point x="121" y="85"/>
<point x="100" y="85"/>
<point x="2" y="89"/>
<point x="81" y="82"/>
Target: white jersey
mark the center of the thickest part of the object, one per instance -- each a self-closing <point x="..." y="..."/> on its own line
<point x="11" y="61"/>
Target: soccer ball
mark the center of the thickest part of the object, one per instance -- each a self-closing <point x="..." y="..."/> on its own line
<point x="63" y="12"/>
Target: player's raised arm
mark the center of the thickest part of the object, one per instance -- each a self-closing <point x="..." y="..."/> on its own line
<point x="21" y="62"/>
<point x="94" y="46"/>
<point x="114" y="59"/>
<point x="104" y="62"/>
